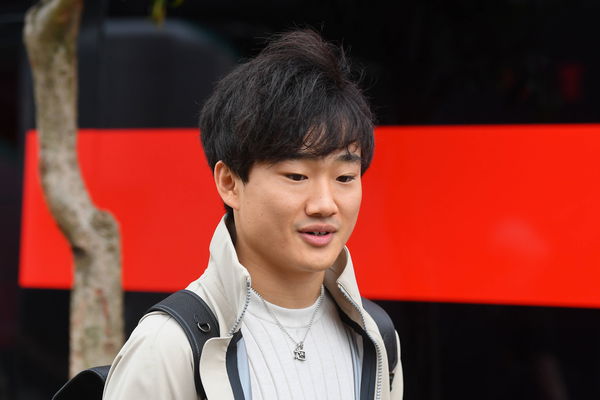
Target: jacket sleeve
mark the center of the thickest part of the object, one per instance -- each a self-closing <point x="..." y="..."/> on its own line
<point x="397" y="390"/>
<point x="155" y="363"/>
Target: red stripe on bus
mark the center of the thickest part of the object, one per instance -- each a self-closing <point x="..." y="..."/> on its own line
<point x="497" y="214"/>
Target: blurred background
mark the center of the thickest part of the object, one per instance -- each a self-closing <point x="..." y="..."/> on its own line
<point x="424" y="63"/>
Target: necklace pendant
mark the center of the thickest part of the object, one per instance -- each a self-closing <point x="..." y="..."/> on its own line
<point x="299" y="353"/>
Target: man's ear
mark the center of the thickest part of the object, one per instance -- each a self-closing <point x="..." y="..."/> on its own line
<point x="228" y="184"/>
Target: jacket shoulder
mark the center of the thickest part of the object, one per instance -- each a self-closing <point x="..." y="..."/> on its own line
<point x="156" y="362"/>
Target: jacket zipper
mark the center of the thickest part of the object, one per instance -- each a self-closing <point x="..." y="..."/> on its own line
<point x="238" y="321"/>
<point x="377" y="347"/>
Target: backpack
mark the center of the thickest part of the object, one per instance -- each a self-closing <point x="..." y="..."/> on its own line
<point x="199" y="324"/>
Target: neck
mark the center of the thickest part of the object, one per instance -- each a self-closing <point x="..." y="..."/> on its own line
<point x="298" y="292"/>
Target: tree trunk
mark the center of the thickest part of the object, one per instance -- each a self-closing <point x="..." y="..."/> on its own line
<point x="96" y="323"/>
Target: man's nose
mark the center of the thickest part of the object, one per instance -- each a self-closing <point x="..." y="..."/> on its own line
<point x="321" y="200"/>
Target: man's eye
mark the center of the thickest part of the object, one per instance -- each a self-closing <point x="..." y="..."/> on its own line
<point x="296" y="177"/>
<point x="345" y="178"/>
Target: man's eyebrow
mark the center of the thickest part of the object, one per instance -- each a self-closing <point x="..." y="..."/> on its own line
<point x="349" y="157"/>
<point x="345" y="157"/>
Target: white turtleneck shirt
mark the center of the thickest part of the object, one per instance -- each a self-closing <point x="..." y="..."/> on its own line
<point x="266" y="361"/>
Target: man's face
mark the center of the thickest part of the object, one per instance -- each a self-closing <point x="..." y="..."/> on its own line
<point x="295" y="216"/>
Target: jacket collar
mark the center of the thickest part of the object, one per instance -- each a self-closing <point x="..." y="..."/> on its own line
<point x="229" y="281"/>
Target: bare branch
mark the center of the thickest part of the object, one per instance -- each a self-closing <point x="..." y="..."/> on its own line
<point x="50" y="35"/>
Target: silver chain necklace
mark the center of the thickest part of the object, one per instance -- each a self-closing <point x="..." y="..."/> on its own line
<point x="299" y="353"/>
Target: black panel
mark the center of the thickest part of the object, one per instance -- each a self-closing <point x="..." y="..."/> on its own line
<point x="439" y="62"/>
<point x="472" y="351"/>
<point x="11" y="12"/>
<point x="43" y="345"/>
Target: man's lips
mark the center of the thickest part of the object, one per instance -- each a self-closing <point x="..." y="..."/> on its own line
<point x="317" y="235"/>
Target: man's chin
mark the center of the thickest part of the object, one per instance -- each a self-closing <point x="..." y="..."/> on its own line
<point x="320" y="265"/>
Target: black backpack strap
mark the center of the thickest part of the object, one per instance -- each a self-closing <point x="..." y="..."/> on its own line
<point x="197" y="321"/>
<point x="387" y="330"/>
<point x="87" y="384"/>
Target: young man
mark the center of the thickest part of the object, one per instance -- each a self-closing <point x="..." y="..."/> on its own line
<point x="288" y="136"/>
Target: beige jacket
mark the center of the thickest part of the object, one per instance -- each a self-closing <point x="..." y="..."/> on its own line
<point x="157" y="362"/>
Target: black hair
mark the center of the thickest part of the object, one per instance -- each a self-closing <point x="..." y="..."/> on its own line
<point x="296" y="98"/>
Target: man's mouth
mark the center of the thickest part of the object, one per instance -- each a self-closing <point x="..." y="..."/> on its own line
<point x="318" y="235"/>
